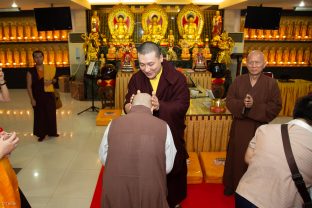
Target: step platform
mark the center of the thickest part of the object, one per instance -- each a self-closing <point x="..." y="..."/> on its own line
<point x="194" y="172"/>
<point x="106" y="115"/>
<point x="212" y="164"/>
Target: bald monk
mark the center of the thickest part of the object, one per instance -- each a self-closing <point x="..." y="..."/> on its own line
<point x="254" y="99"/>
<point x="138" y="151"/>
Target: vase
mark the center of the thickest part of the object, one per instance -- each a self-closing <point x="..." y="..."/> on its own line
<point x="217" y="70"/>
<point x="217" y="106"/>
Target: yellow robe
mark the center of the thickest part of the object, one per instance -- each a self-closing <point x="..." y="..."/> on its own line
<point x="49" y="74"/>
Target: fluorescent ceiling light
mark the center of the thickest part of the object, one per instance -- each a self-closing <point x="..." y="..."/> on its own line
<point x="302" y="4"/>
<point x="303" y="9"/>
<point x="16" y="9"/>
<point x="94" y="2"/>
<point x="14" y="5"/>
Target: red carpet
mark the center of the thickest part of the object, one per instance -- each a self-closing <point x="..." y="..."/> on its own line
<point x="198" y="196"/>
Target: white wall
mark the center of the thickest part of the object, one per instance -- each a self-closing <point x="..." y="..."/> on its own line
<point x="79" y="20"/>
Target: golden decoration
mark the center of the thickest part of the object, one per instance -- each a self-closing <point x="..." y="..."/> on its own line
<point x="190" y="25"/>
<point x="121" y="24"/>
<point x="154" y="23"/>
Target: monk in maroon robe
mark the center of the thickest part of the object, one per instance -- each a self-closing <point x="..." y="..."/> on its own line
<point x="253" y="99"/>
<point x="170" y="100"/>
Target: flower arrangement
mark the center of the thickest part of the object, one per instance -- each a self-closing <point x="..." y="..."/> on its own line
<point x="217" y="87"/>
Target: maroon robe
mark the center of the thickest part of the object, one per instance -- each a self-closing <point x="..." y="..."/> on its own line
<point x="45" y="109"/>
<point x="174" y="100"/>
<point x="135" y="169"/>
<point x="266" y="106"/>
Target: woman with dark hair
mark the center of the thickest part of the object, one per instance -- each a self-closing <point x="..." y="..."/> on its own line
<point x="268" y="181"/>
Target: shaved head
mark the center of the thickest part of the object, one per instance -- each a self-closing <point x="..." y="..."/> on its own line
<point x="142" y="99"/>
<point x="256" y="53"/>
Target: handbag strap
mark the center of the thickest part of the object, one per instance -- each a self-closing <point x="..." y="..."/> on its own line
<point x="296" y="176"/>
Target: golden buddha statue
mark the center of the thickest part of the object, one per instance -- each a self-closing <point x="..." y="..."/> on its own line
<point x="252" y="33"/>
<point x="171" y="54"/>
<point x="306" y="55"/>
<point x="20" y="31"/>
<point x="102" y="60"/>
<point x="154" y="30"/>
<point x="49" y="35"/>
<point x="30" y="59"/>
<point x="120" y="30"/>
<point x="23" y="57"/>
<point x="279" y="55"/>
<point x="13" y="31"/>
<point x="267" y="34"/>
<point x="6" y="31"/>
<point x="134" y="52"/>
<point x="190" y="25"/>
<point x="56" y="35"/>
<point x="206" y="52"/>
<point x="34" y="32"/>
<point x="265" y="52"/>
<point x="59" y="56"/>
<point x="293" y="55"/>
<point x="90" y="47"/>
<point x="286" y="55"/>
<point x="111" y="55"/>
<point x="303" y="31"/>
<point x="9" y="57"/>
<point x="185" y="53"/>
<point x="27" y="29"/>
<point x="2" y="58"/>
<point x="297" y="27"/>
<point x="216" y="24"/>
<point x="45" y="56"/>
<point x="65" y="56"/>
<point x="51" y="56"/>
<point x="95" y="22"/>
<point x="282" y="30"/>
<point x="16" y="57"/>
<point x="290" y="30"/>
<point x="309" y="30"/>
<point x="260" y="34"/>
<point x="300" y="56"/>
<point x="225" y="45"/>
<point x="272" y="53"/>
<point x="195" y="51"/>
<point x="171" y="38"/>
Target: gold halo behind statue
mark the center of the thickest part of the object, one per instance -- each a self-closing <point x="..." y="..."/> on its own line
<point x="190" y="25"/>
<point x="121" y="24"/>
<point x="154" y="23"/>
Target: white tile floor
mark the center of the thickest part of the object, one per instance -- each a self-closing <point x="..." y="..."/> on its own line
<point x="58" y="172"/>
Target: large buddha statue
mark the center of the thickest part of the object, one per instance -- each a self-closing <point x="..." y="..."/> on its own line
<point x="190" y="25"/>
<point x="121" y="24"/>
<point x="120" y="29"/>
<point x="154" y="24"/>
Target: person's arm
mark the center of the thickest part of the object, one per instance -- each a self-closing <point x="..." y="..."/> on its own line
<point x="170" y="151"/>
<point x="7" y="144"/>
<point x="104" y="145"/>
<point x="235" y="104"/>
<point x="267" y="110"/>
<point x="250" y="152"/>
<point x="29" y="90"/>
<point x="4" y="95"/>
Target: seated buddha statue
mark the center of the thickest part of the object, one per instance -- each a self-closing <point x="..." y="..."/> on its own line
<point x="111" y="55"/>
<point x="190" y="29"/>
<point x="206" y="52"/>
<point x="171" y="38"/>
<point x="195" y="51"/>
<point x="154" y="32"/>
<point x="185" y="53"/>
<point x="171" y="54"/>
<point x="120" y="53"/>
<point x="134" y="52"/>
<point x="306" y="56"/>
<point x="120" y="33"/>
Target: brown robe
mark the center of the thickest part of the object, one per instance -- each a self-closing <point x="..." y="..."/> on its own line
<point x="135" y="169"/>
<point x="45" y="109"/>
<point x="267" y="104"/>
<point x="174" y="100"/>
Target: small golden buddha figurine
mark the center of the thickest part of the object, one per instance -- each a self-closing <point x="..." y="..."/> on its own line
<point x="290" y="30"/>
<point x="286" y="55"/>
<point x="16" y="57"/>
<point x="120" y="52"/>
<point x="56" y="35"/>
<point x="2" y="58"/>
<point x="309" y="30"/>
<point x="206" y="52"/>
<point x="23" y="57"/>
<point x="49" y="35"/>
<point x="306" y="55"/>
<point x="279" y="56"/>
<point x="260" y="34"/>
<point x="27" y="30"/>
<point x="121" y="29"/>
<point x="246" y="33"/>
<point x="95" y="22"/>
<point x="265" y="52"/>
<point x="6" y="32"/>
<point x="195" y="51"/>
<point x="252" y="33"/>
<point x="300" y="56"/>
<point x="13" y="27"/>
<point x="185" y="53"/>
<point x="51" y="56"/>
<point x="282" y="30"/>
<point x="20" y="31"/>
<point x="171" y="38"/>
<point x="293" y="55"/>
<point x="171" y="54"/>
<point x="65" y="56"/>
<point x="102" y="60"/>
<point x="64" y="34"/>
<point x="267" y="34"/>
<point x="30" y="60"/>
<point x="303" y="31"/>
<point x="275" y="34"/>
<point x="216" y="24"/>
<point x="45" y="56"/>
<point x="1" y="33"/>
<point x="9" y="57"/>
<point x="154" y="29"/>
<point x="111" y="55"/>
<point x="272" y="53"/>
<point x="34" y="32"/>
<point x="297" y="30"/>
<point x="42" y="36"/>
<point x="59" y="56"/>
<point x="134" y="52"/>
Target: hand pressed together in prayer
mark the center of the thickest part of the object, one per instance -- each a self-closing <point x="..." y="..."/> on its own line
<point x="155" y="102"/>
<point x="8" y="142"/>
<point x="248" y="101"/>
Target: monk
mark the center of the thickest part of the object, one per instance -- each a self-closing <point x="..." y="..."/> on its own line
<point x="137" y="150"/>
<point x="254" y="99"/>
<point x="170" y="100"/>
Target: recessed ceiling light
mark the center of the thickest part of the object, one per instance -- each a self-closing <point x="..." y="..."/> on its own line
<point x="14" y="5"/>
<point x="302" y="4"/>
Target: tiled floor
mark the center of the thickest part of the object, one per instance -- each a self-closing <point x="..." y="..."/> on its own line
<point x="58" y="172"/>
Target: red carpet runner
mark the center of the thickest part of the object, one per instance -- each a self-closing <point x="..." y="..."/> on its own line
<point x="198" y="196"/>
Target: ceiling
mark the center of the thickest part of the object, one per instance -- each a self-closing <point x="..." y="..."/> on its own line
<point x="84" y="4"/>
